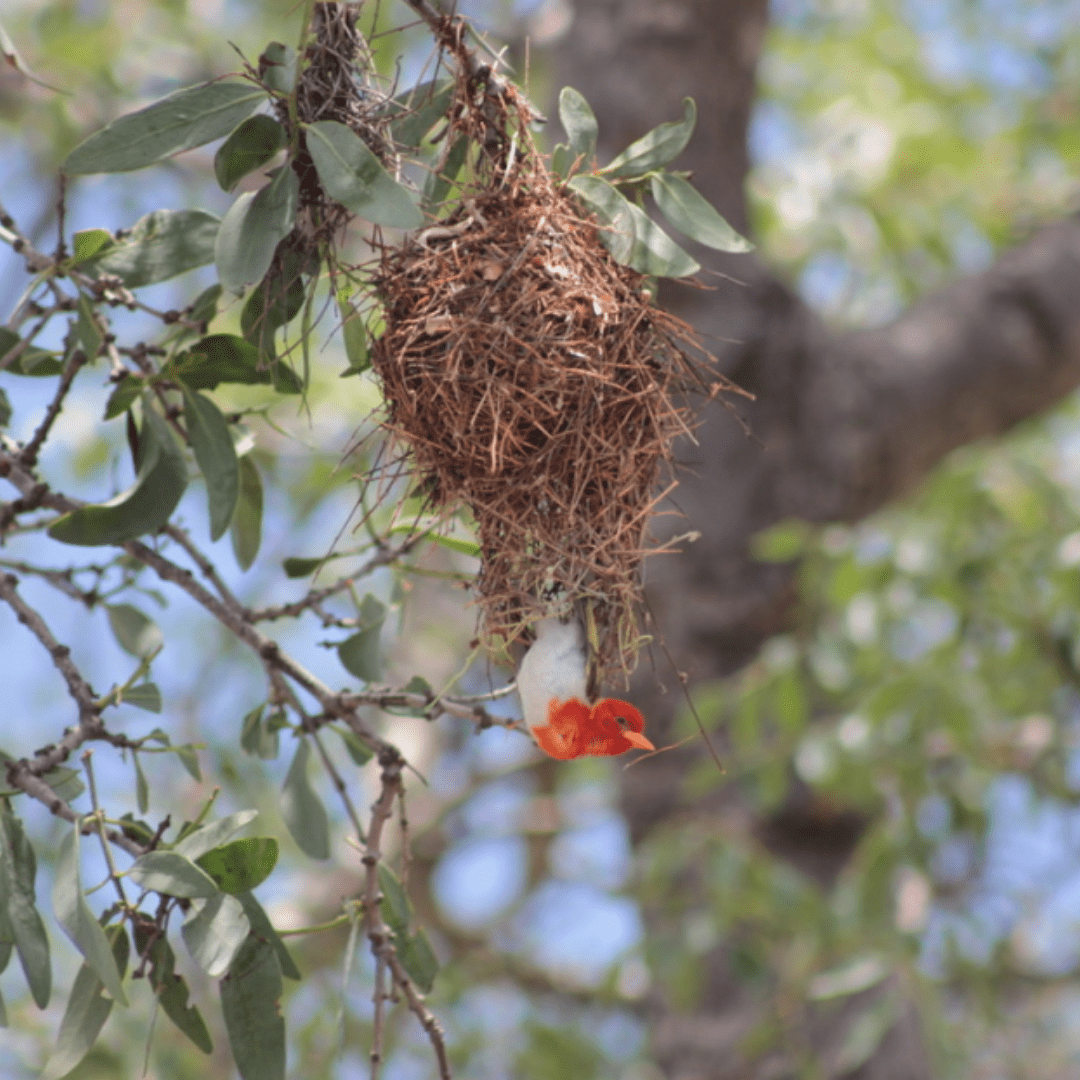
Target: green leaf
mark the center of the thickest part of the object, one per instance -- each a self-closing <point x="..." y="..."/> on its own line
<point x="144" y="695"/>
<point x="213" y="446"/>
<point x="181" y="121"/>
<point x="613" y="210"/>
<point x="246" y="528"/>
<point x="273" y="303"/>
<point x="259" y="737"/>
<point x="88" y="243"/>
<point x="189" y="759"/>
<point x="87" y="1010"/>
<point x="31" y="361"/>
<point x="170" y="988"/>
<point x="242" y="865"/>
<point x="277" y="66"/>
<point x="214" y="931"/>
<point x="124" y="395"/>
<point x="395" y="906"/>
<point x="252" y="229"/>
<point x="302" y="808"/>
<point x="418" y="110"/>
<point x="418" y="959"/>
<point x="865" y="1033"/>
<point x="251" y="1004"/>
<point x="562" y="161"/>
<point x="579" y="123"/>
<point x="158" y="247"/>
<point x="354" y="335"/>
<point x="354" y="176"/>
<point x="358" y="751"/>
<point x="135" y="633"/>
<point x="173" y="874"/>
<point x="227" y="358"/>
<point x="248" y="148"/>
<point x="142" y="790"/>
<point x="654" y="252"/>
<point x="693" y="215"/>
<point x="297" y="567"/>
<point x="656" y="149"/>
<point x="782" y="542"/>
<point x="18" y="868"/>
<point x="143" y="508"/>
<point x="437" y="185"/>
<point x="74" y="915"/>
<point x="208" y="837"/>
<point x="261" y="927"/>
<point x="5" y="410"/>
<point x="361" y="655"/>
<point x="86" y="328"/>
<point x="204" y="307"/>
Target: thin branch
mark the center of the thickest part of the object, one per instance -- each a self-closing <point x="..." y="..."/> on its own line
<point x="29" y="455"/>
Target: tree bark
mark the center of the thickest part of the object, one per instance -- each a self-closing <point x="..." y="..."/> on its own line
<point x="842" y="423"/>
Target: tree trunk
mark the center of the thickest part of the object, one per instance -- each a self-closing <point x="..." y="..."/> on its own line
<point x="841" y="425"/>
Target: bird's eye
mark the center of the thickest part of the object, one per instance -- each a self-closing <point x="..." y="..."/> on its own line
<point x="621" y="721"/>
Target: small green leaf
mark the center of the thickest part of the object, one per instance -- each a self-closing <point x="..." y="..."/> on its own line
<point x="18" y="868"/>
<point x="170" y="988"/>
<point x="418" y="959"/>
<point x="355" y="177"/>
<point x="190" y="760"/>
<point x="31" y="361"/>
<point x="302" y="809"/>
<point x="204" y="307"/>
<point x="277" y="66"/>
<point x="579" y="123"/>
<point x="173" y="874"/>
<point x="124" y="395"/>
<point x="656" y="149"/>
<point x="181" y="121"/>
<point x="88" y="243"/>
<point x="251" y="1004"/>
<point x="395" y="906"/>
<point x="87" y="1010"/>
<point x="145" y="506"/>
<point x="87" y="329"/>
<point x="297" y="567"/>
<point x="246" y="527"/>
<point x="614" y="211"/>
<point x="361" y="655"/>
<point x="654" y="252"/>
<point x="358" y="751"/>
<point x="248" y="148"/>
<point x="142" y="789"/>
<point x="261" y="927"/>
<point x="74" y="915"/>
<point x="241" y="865"/>
<point x="354" y="335"/>
<point x="418" y="110"/>
<point x="5" y="410"/>
<point x="252" y="229"/>
<point x="144" y="695"/>
<point x="437" y="185"/>
<point x="135" y="633"/>
<point x="208" y="837"/>
<point x="692" y="214"/>
<point x="213" y="446"/>
<point x="214" y="931"/>
<point x="158" y="247"/>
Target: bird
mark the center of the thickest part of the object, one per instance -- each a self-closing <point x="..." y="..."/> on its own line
<point x="552" y="686"/>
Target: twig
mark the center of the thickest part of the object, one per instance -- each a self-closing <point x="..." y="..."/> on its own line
<point x="29" y="455"/>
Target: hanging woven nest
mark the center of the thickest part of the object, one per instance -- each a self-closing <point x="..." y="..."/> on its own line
<point x="531" y="378"/>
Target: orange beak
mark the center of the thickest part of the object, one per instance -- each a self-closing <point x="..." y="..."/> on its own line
<point x="638" y="740"/>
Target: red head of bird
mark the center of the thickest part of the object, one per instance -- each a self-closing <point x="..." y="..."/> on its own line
<point x="552" y="686"/>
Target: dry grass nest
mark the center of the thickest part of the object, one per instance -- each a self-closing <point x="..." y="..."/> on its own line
<point x="532" y="379"/>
